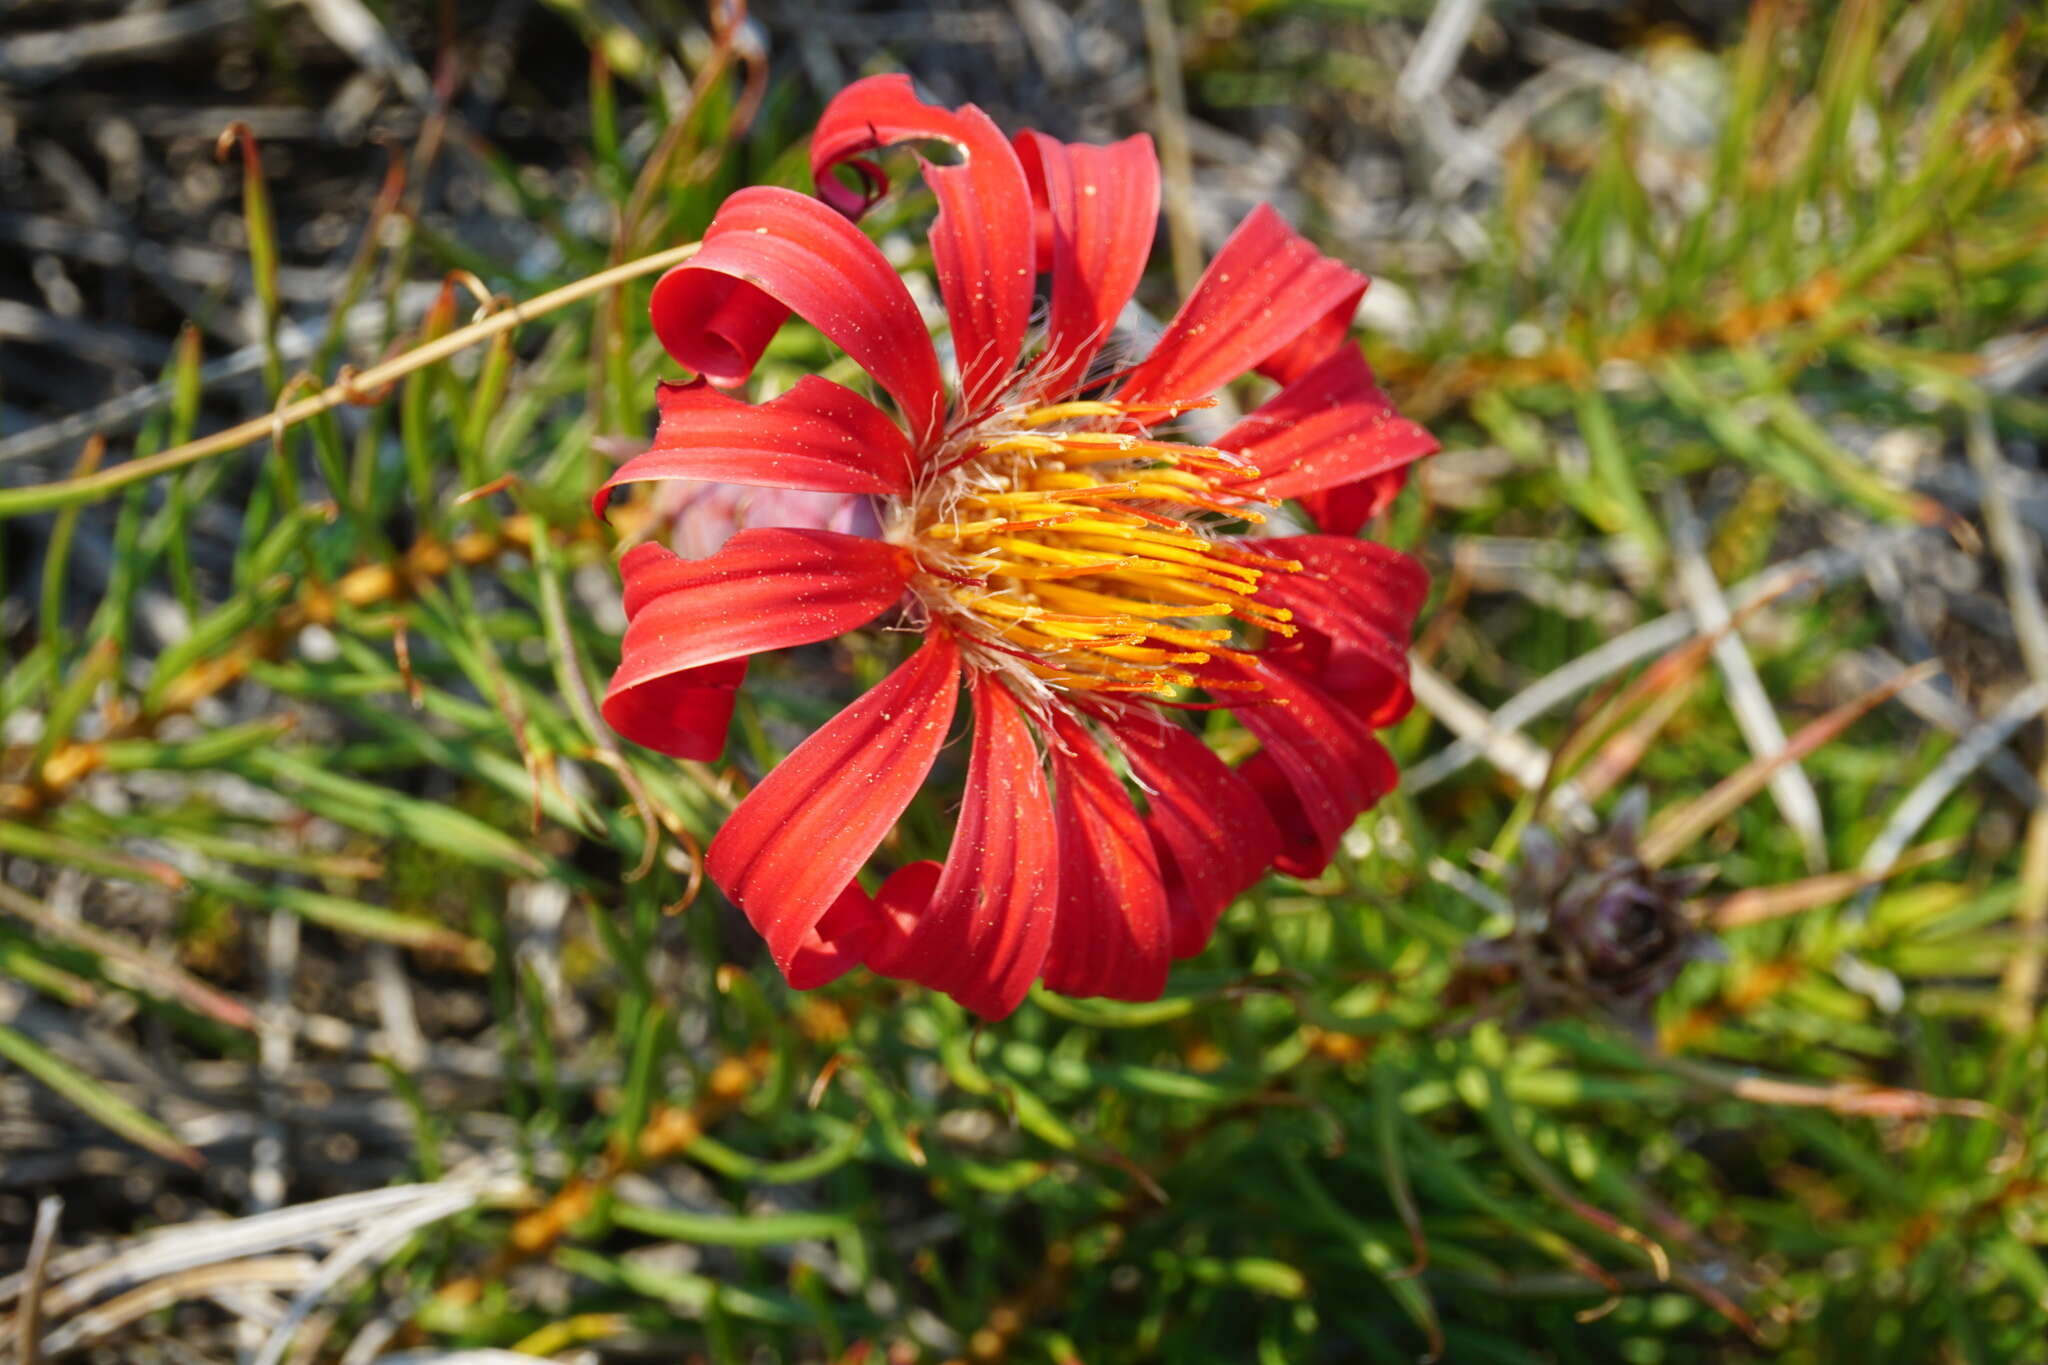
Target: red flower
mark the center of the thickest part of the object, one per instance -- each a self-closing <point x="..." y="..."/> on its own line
<point x="1073" y="568"/>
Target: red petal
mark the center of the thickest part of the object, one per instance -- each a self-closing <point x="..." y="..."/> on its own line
<point x="767" y="588"/>
<point x="1354" y="604"/>
<point x="982" y="936"/>
<point x="1102" y="211"/>
<point x="1305" y="847"/>
<point x="1383" y="585"/>
<point x="788" y="853"/>
<point x="715" y="324"/>
<point x="1332" y="765"/>
<point x="1345" y="510"/>
<point x="683" y="714"/>
<point x="1330" y="427"/>
<point x="838" y="943"/>
<point x="820" y="266"/>
<point x="1112" y="936"/>
<point x="691" y="623"/>
<point x="901" y="900"/>
<point x="1212" y="831"/>
<point x="1266" y="288"/>
<point x="817" y="437"/>
<point x="981" y="239"/>
<point x="1319" y="339"/>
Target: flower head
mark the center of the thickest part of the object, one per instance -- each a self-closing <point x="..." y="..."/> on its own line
<point x="1596" y="931"/>
<point x="1083" y="573"/>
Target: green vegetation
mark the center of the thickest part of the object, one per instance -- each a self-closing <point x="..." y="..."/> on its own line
<point x="1775" y="345"/>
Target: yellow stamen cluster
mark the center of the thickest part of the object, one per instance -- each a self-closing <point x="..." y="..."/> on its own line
<point x="1080" y="553"/>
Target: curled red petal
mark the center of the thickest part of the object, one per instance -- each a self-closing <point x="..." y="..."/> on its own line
<point x="837" y="943"/>
<point x="788" y="853"/>
<point x="982" y="935"/>
<point x="1101" y="212"/>
<point x="717" y="325"/>
<point x="1333" y="426"/>
<point x="815" y="263"/>
<point x="982" y="246"/>
<point x="683" y="714"/>
<point x="1112" y="937"/>
<point x="1266" y="289"/>
<point x="818" y="437"/>
<point x="1332" y="766"/>
<point x="1212" y="831"/>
